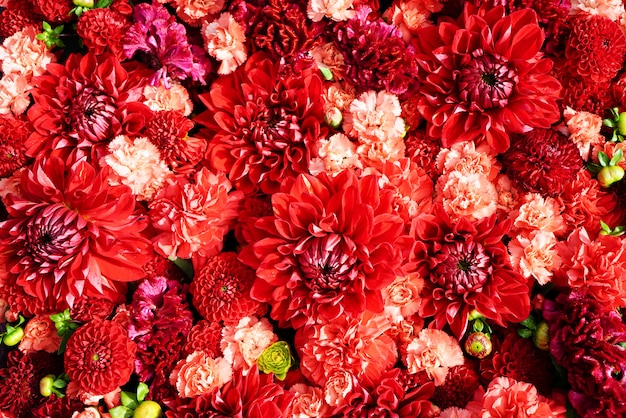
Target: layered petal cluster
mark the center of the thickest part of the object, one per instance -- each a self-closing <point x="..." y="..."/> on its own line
<point x="466" y="266"/>
<point x="331" y="247"/>
<point x="261" y="125"/>
<point x="483" y="77"/>
<point x="70" y="234"/>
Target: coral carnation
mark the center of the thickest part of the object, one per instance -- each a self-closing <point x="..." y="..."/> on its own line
<point x="434" y="352"/>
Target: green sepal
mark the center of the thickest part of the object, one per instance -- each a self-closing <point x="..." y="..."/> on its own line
<point x="121" y="412"/>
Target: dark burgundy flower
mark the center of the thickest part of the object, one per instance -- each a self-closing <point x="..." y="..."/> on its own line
<point x="458" y="389"/>
<point x="261" y="125"/>
<point x="423" y="150"/>
<point x="18" y="384"/>
<point x="543" y="161"/>
<point x="483" y="77"/>
<point x="467" y="266"/>
<point x="99" y="357"/>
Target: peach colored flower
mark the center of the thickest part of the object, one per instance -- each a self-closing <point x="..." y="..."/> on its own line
<point x="375" y="117"/>
<point x="337" y="386"/>
<point x="308" y="403"/>
<point x="242" y="344"/>
<point x="24" y="54"/>
<point x="88" y="398"/>
<point x="161" y="98"/>
<point x="14" y="94"/>
<point x="411" y="15"/>
<point x="466" y="158"/>
<point x="584" y="130"/>
<point x="89" y="412"/>
<point x="334" y="154"/>
<point x="538" y="213"/>
<point x="454" y="412"/>
<point x="535" y="255"/>
<point x="434" y="352"/>
<point x="225" y="40"/>
<point x="336" y="10"/>
<point x="402" y="298"/>
<point x="508" y="195"/>
<point x="327" y="56"/>
<point x="137" y="164"/>
<point x="470" y="195"/>
<point x="406" y="330"/>
<point x="613" y="9"/>
<point x="338" y="96"/>
<point x="40" y="334"/>
<point x="193" y="12"/>
<point x="199" y="374"/>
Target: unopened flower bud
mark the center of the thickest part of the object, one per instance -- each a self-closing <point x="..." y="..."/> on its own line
<point x="541" y="337"/>
<point x="333" y="118"/>
<point x="621" y="124"/>
<point x="478" y="344"/>
<point x="84" y="3"/>
<point x="148" y="409"/>
<point x="610" y="174"/>
<point x="45" y="385"/>
<point x="276" y="359"/>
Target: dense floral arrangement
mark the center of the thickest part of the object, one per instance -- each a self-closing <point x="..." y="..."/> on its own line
<point x="312" y="208"/>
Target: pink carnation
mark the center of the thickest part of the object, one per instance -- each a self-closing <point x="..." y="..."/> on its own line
<point x="225" y="40"/>
<point x="199" y="374"/>
<point x="535" y="255"/>
<point x="22" y="53"/>
<point x="161" y="98"/>
<point x="336" y="10"/>
<point x="470" y="195"/>
<point x="433" y="352"/>
<point x="14" y="94"/>
<point x="242" y="344"/>
<point x="612" y="9"/>
<point x="334" y="154"/>
<point x="40" y="334"/>
<point x="584" y="130"/>
<point x="467" y="158"/>
<point x="308" y="403"/>
<point x="193" y="11"/>
<point x="402" y="297"/>
<point x="538" y="213"/>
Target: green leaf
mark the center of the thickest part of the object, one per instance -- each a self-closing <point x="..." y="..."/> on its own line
<point x="59" y="384"/>
<point x="616" y="157"/>
<point x="142" y="391"/>
<point x="609" y="122"/>
<point x="604" y="226"/>
<point x="524" y="333"/>
<point x="58" y="29"/>
<point x="184" y="265"/>
<point x="101" y="4"/>
<point x="129" y="400"/>
<point x="478" y="325"/>
<point x="603" y="158"/>
<point x="120" y="412"/>
<point x="619" y="229"/>
<point x="529" y="323"/>
<point x="46" y="26"/>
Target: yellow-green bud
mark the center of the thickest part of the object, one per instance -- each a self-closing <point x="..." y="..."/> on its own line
<point x="541" y="337"/>
<point x="276" y="359"/>
<point x="45" y="385"/>
<point x="148" y="409"/>
<point x="333" y="117"/>
<point x="478" y="344"/>
<point x="84" y="3"/>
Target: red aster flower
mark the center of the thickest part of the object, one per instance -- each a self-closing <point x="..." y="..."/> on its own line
<point x="261" y="125"/>
<point x="221" y="290"/>
<point x="468" y="268"/>
<point x="423" y="151"/>
<point x="482" y="77"/>
<point x="102" y="30"/>
<point x="54" y="407"/>
<point x="596" y="48"/>
<point x="329" y="249"/>
<point x="543" y="161"/>
<point x="458" y="389"/>
<point x="17" y="15"/>
<point x="13" y="135"/>
<point x="55" y="11"/>
<point x="70" y="234"/>
<point x="85" y="103"/>
<point x="99" y="357"/>
<point x="205" y="336"/>
<point x="168" y="130"/>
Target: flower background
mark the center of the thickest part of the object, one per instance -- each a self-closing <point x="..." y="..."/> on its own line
<point x="312" y="208"/>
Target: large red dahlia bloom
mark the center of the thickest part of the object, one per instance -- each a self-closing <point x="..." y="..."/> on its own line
<point x="467" y="266"/>
<point x="70" y="234"/>
<point x="329" y="249"/>
<point x="483" y="77"/>
<point x="261" y="124"/>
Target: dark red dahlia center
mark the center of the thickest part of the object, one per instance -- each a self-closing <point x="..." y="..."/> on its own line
<point x="53" y="235"/>
<point x="326" y="265"/>
<point x="91" y="113"/>
<point x="486" y="82"/>
<point x="462" y="267"/>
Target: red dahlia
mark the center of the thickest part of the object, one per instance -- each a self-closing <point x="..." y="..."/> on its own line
<point x="467" y="266"/>
<point x="70" y="234"/>
<point x="483" y="77"/>
<point x="205" y="336"/>
<point x="55" y="11"/>
<point x="13" y="135"/>
<point x="261" y="124"/>
<point x="102" y="30"/>
<point x="17" y="15"/>
<point x="458" y="389"/>
<point x="331" y="246"/>
<point x="99" y="357"/>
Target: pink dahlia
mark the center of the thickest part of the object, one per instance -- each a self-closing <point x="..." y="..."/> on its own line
<point x="467" y="266"/>
<point x="261" y="125"/>
<point x="70" y="234"/>
<point x="83" y="104"/>
<point x="483" y="77"/>
<point x="331" y="247"/>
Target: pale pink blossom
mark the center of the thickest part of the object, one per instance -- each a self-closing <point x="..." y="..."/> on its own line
<point x="174" y="98"/>
<point x="242" y="344"/>
<point x="334" y="154"/>
<point x="538" y="213"/>
<point x="198" y="374"/>
<point x="535" y="255"/>
<point x="508" y="195"/>
<point x="11" y="185"/>
<point x="584" y="130"/>
<point x="225" y="40"/>
<point x="411" y="15"/>
<point x="375" y="117"/>
<point x="469" y="195"/>
<point x="613" y="9"/>
<point x="40" y="334"/>
<point x="74" y="392"/>
<point x="338" y="96"/>
<point x="434" y="352"/>
<point x="193" y="12"/>
<point x="308" y="403"/>
<point x="14" y="94"/>
<point x="402" y="298"/>
<point x="454" y="412"/>
<point x="89" y="412"/>
<point x="136" y="163"/>
<point x="24" y="54"/>
<point x="336" y="10"/>
<point x="338" y="385"/>
<point x="466" y="158"/>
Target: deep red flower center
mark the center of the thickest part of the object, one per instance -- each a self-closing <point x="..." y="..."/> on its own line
<point x="486" y="82"/>
<point x="53" y="234"/>
<point x="91" y="113"/>
<point x="326" y="264"/>
<point x="462" y="268"/>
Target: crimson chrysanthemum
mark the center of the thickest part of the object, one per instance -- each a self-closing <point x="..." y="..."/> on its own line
<point x="543" y="161"/>
<point x="84" y="104"/>
<point x="99" y="357"/>
<point x="261" y="124"/>
<point x="221" y="290"/>
<point x="16" y="16"/>
<point x="86" y="309"/>
<point x="483" y="77"/>
<point x="13" y="135"/>
<point x="596" y="48"/>
<point x="330" y="248"/>
<point x="18" y="384"/>
<point x="587" y="96"/>
<point x="466" y="266"/>
<point x="70" y="234"/>
<point x="102" y="30"/>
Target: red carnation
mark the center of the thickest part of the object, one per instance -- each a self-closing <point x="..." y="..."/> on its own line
<point x="466" y="266"/>
<point x="99" y="357"/>
<point x="483" y="77"/>
<point x="330" y="248"/>
<point x="102" y="30"/>
<point x="13" y="135"/>
<point x="261" y="125"/>
<point x="58" y="11"/>
<point x="70" y="234"/>
<point x="221" y="290"/>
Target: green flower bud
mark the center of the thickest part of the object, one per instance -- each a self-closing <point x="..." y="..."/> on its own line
<point x="610" y="174"/>
<point x="46" y="384"/>
<point x="621" y="124"/>
<point x="276" y="359"/>
<point x="333" y="118"/>
<point x="478" y="345"/>
<point x="541" y="337"/>
<point x="148" y="409"/>
<point x="84" y="3"/>
<point x="13" y="337"/>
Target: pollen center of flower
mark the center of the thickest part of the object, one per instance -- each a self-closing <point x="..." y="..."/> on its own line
<point x="486" y="82"/>
<point x="326" y="264"/>
<point x="462" y="268"/>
